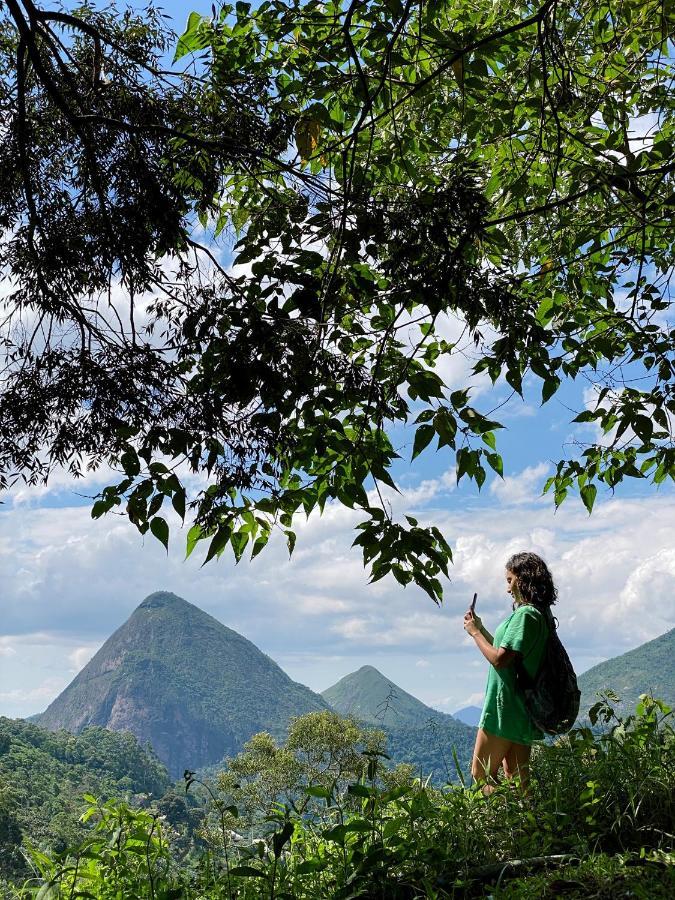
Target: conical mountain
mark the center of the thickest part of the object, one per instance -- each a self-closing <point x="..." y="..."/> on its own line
<point x="176" y="677"/>
<point x="370" y="696"/>
<point x="648" y="669"/>
<point x="432" y="742"/>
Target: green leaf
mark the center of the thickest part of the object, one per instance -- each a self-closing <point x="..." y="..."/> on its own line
<point x="496" y="463"/>
<point x="490" y="439"/>
<point x="160" y="529"/>
<point x="317" y="790"/>
<point x="281" y="838"/>
<point x="446" y="427"/>
<point x="362" y="826"/>
<point x="260" y="543"/>
<point x="192" y="38"/>
<point x="423" y="437"/>
<point x="359" y="790"/>
<point x="99" y="508"/>
<point x="130" y="462"/>
<point x="549" y="388"/>
<point x="248" y="872"/>
<point x="218" y="543"/>
<point x="588" y="495"/>
<point x="308" y="866"/>
<point x="194" y="535"/>
<point x="238" y="542"/>
<point x="178" y="503"/>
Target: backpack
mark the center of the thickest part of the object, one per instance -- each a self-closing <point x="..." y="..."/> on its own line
<point x="552" y="697"/>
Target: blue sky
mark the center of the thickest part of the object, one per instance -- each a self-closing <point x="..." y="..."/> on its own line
<point x="68" y="581"/>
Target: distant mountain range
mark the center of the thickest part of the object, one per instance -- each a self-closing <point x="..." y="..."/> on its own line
<point x="648" y="668"/>
<point x="196" y="691"/>
<point x="470" y="715"/>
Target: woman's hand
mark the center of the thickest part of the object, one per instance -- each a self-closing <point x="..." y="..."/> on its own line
<point x="473" y="624"/>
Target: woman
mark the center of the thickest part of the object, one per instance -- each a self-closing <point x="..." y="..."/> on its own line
<point x="505" y="731"/>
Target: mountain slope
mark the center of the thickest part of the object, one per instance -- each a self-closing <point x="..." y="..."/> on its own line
<point x="425" y="738"/>
<point x="371" y="697"/>
<point x="646" y="669"/>
<point x="44" y="775"/>
<point x="174" y="676"/>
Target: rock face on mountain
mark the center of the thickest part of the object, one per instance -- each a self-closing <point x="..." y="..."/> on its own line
<point x="177" y="678"/>
<point x="646" y="669"/>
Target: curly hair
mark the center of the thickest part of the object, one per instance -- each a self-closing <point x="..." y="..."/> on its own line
<point x="535" y="581"/>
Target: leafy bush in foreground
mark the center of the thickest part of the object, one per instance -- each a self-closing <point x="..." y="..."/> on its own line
<point x="607" y="800"/>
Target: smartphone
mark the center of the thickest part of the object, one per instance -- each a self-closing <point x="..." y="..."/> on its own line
<point x="473" y="602"/>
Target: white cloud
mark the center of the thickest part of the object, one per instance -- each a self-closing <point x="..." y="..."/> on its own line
<point x="452" y="705"/>
<point x="43" y="693"/>
<point x="522" y="488"/>
<point x="68" y="582"/>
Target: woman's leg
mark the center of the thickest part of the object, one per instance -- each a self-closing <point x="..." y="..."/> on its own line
<point x="517" y="763"/>
<point x="488" y="754"/>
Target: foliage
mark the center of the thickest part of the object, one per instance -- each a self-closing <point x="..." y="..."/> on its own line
<point x="44" y="774"/>
<point x="607" y="800"/>
<point x="601" y="877"/>
<point x="126" y="855"/>
<point x="323" y="751"/>
<point x="384" y="168"/>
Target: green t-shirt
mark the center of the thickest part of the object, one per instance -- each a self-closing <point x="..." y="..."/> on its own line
<point x="504" y="712"/>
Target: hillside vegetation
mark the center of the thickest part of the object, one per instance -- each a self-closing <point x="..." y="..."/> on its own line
<point x="44" y="775"/>
<point x="371" y="697"/>
<point x="648" y="668"/>
<point x="320" y="817"/>
<point x="436" y="745"/>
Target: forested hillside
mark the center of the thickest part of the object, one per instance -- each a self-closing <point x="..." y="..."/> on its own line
<point x="434" y="743"/>
<point x="647" y="669"/>
<point x="44" y="776"/>
<point x="372" y="697"/>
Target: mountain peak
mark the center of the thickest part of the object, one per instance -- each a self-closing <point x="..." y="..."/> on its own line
<point x="373" y="698"/>
<point x="367" y="670"/>
<point x="162" y="599"/>
<point x="176" y="677"/>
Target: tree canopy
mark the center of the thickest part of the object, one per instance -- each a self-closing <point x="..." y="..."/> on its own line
<point x="375" y="168"/>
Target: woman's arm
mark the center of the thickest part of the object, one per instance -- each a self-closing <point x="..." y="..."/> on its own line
<point x="486" y="634"/>
<point x="499" y="657"/>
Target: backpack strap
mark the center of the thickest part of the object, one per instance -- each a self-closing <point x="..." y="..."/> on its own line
<point x="523" y="678"/>
<point x="542" y="621"/>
